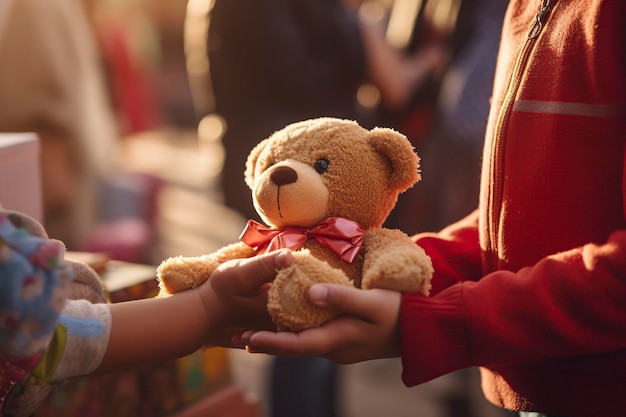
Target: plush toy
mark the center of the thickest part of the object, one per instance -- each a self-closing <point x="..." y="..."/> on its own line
<point x="324" y="187"/>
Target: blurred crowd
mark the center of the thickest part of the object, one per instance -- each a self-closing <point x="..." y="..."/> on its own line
<point x="107" y="69"/>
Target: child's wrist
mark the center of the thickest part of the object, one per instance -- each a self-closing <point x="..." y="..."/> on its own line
<point x="212" y="315"/>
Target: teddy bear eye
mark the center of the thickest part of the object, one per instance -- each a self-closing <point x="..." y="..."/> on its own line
<point x="321" y="166"/>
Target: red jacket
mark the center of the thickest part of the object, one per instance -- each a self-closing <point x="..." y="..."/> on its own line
<point x="532" y="287"/>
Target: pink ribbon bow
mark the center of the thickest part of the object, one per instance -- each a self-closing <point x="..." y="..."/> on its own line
<point x="342" y="236"/>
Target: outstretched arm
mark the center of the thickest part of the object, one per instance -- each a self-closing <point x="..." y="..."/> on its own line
<point x="150" y="330"/>
<point x="368" y="328"/>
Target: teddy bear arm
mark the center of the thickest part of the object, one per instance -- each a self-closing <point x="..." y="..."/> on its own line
<point x="181" y="273"/>
<point x="394" y="261"/>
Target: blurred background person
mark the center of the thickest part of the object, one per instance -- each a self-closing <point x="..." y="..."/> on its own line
<point x="405" y="52"/>
<point x="131" y="54"/>
<point x="62" y="81"/>
<point x="274" y="62"/>
<point x="412" y="46"/>
<point x="451" y="145"/>
<point x="52" y="83"/>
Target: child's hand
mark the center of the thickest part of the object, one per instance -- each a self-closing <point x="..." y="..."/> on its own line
<point x="368" y="330"/>
<point x="156" y="329"/>
<point x="235" y="297"/>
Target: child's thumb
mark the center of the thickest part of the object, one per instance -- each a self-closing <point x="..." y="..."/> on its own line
<point x="340" y="298"/>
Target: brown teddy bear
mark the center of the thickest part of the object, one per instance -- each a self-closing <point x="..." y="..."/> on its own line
<point x="324" y="186"/>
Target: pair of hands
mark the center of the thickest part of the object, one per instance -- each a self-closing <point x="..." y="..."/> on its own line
<point x="237" y="295"/>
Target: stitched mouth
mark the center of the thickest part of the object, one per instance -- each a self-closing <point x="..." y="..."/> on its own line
<point x="280" y="214"/>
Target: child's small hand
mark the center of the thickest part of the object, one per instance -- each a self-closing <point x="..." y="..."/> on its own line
<point x="155" y="329"/>
<point x="235" y="297"/>
<point x="367" y="330"/>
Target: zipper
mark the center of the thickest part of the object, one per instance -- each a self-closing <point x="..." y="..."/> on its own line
<point x="497" y="150"/>
<point x="540" y="19"/>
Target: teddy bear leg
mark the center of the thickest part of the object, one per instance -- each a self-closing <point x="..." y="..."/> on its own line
<point x="288" y="298"/>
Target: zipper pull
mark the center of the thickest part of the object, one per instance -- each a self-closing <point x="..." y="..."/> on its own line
<point x="540" y="18"/>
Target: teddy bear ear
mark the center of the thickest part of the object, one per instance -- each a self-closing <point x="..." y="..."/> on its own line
<point x="251" y="162"/>
<point x="398" y="150"/>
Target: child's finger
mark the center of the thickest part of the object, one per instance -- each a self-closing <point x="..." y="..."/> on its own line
<point x="308" y="343"/>
<point x="252" y="273"/>
<point x="352" y="301"/>
<point x="267" y="264"/>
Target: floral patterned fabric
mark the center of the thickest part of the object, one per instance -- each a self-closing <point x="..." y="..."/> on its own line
<point x="33" y="286"/>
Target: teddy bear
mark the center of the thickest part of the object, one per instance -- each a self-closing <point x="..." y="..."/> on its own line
<point x="323" y="188"/>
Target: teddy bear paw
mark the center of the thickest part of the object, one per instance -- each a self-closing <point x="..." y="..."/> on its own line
<point x="410" y="271"/>
<point x="181" y="273"/>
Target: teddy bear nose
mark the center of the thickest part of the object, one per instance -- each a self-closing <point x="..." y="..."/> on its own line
<point x="283" y="176"/>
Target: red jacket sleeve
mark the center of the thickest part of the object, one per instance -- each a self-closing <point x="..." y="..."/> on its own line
<point x="455" y="253"/>
<point x="570" y="303"/>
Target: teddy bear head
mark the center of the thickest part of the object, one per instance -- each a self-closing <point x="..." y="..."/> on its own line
<point x="328" y="167"/>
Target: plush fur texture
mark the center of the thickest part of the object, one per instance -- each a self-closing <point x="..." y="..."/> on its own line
<point x="303" y="174"/>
